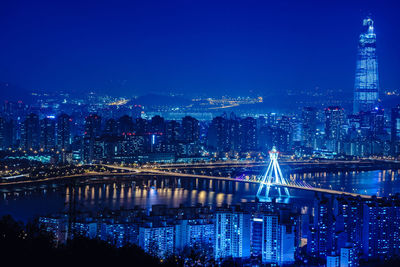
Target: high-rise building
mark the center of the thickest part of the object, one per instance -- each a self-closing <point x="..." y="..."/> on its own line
<point x="309" y="126"/>
<point x="332" y="261"/>
<point x="366" y="87"/>
<point x="264" y="138"/>
<point x="322" y="231"/>
<point x="232" y="234"/>
<point x="119" y="234"/>
<point x="157" y="125"/>
<point x="280" y="138"/>
<point x="395" y="131"/>
<point x="348" y="256"/>
<point x="141" y="126"/>
<point x="380" y="228"/>
<point x="247" y="134"/>
<point x="125" y="125"/>
<point x="285" y="123"/>
<point x="111" y="127"/>
<point x="333" y="122"/>
<point x="131" y="144"/>
<point x="197" y="234"/>
<point x="58" y="226"/>
<point x="376" y="120"/>
<point x="218" y="134"/>
<point x="31" y="132"/>
<point x="157" y="240"/>
<point x="348" y="217"/>
<point x="92" y="126"/>
<point x="63" y="132"/>
<point x="2" y="133"/>
<point x="172" y="131"/>
<point x="8" y="133"/>
<point x="334" y="117"/>
<point x="92" y="131"/>
<point x="47" y="133"/>
<point x="225" y="135"/>
<point x="256" y="236"/>
<point x="278" y="241"/>
<point x="190" y="129"/>
<point x="234" y="132"/>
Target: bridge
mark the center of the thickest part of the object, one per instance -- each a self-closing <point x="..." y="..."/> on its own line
<point x="249" y="163"/>
<point x="273" y="178"/>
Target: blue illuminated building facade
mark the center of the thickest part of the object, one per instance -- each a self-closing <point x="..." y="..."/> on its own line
<point x="349" y="256"/>
<point x="342" y="230"/>
<point x="354" y="229"/>
<point x="277" y="241"/>
<point x="157" y="240"/>
<point x="57" y="225"/>
<point x="395" y="131"/>
<point x="232" y="234"/>
<point x="257" y="236"/>
<point x="194" y="233"/>
<point x="366" y="88"/>
<point x="381" y="229"/>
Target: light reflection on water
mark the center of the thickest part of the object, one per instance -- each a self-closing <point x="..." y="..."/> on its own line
<point x="25" y="202"/>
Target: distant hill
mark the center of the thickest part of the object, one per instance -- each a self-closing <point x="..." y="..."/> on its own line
<point x="14" y="93"/>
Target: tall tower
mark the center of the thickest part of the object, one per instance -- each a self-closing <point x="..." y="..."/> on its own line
<point x="366" y="87"/>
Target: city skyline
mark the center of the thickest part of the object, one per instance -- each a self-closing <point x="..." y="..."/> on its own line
<point x="195" y="133"/>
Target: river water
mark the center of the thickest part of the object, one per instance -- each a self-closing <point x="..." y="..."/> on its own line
<point x="27" y="202"/>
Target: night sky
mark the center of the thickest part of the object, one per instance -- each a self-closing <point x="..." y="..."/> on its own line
<point x="134" y="47"/>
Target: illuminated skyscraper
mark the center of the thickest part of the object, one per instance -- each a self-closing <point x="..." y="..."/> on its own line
<point x="63" y="132"/>
<point x="157" y="240"/>
<point x="278" y="241"/>
<point x="348" y="256"/>
<point x="232" y="234"/>
<point x="47" y="133"/>
<point x="322" y="230"/>
<point x="366" y="87"/>
<point x="395" y="131"/>
<point x="333" y="261"/>
<point x="334" y="117"/>
<point x="92" y="131"/>
<point x="380" y="228"/>
<point x="125" y="125"/>
<point x="2" y="139"/>
<point x="190" y="129"/>
<point x="309" y="126"/>
<point x="247" y="134"/>
<point x="31" y="132"/>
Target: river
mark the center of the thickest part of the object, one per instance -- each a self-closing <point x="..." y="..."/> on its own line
<point x="25" y="202"/>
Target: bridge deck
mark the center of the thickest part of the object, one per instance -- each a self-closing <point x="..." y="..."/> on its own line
<point x="165" y="173"/>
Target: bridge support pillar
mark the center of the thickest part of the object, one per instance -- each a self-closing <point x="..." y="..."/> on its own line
<point x="273" y="176"/>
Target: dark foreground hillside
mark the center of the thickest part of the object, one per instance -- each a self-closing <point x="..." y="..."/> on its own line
<point x="27" y="244"/>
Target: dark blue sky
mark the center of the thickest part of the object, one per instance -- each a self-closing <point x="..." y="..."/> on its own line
<point x="191" y="46"/>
